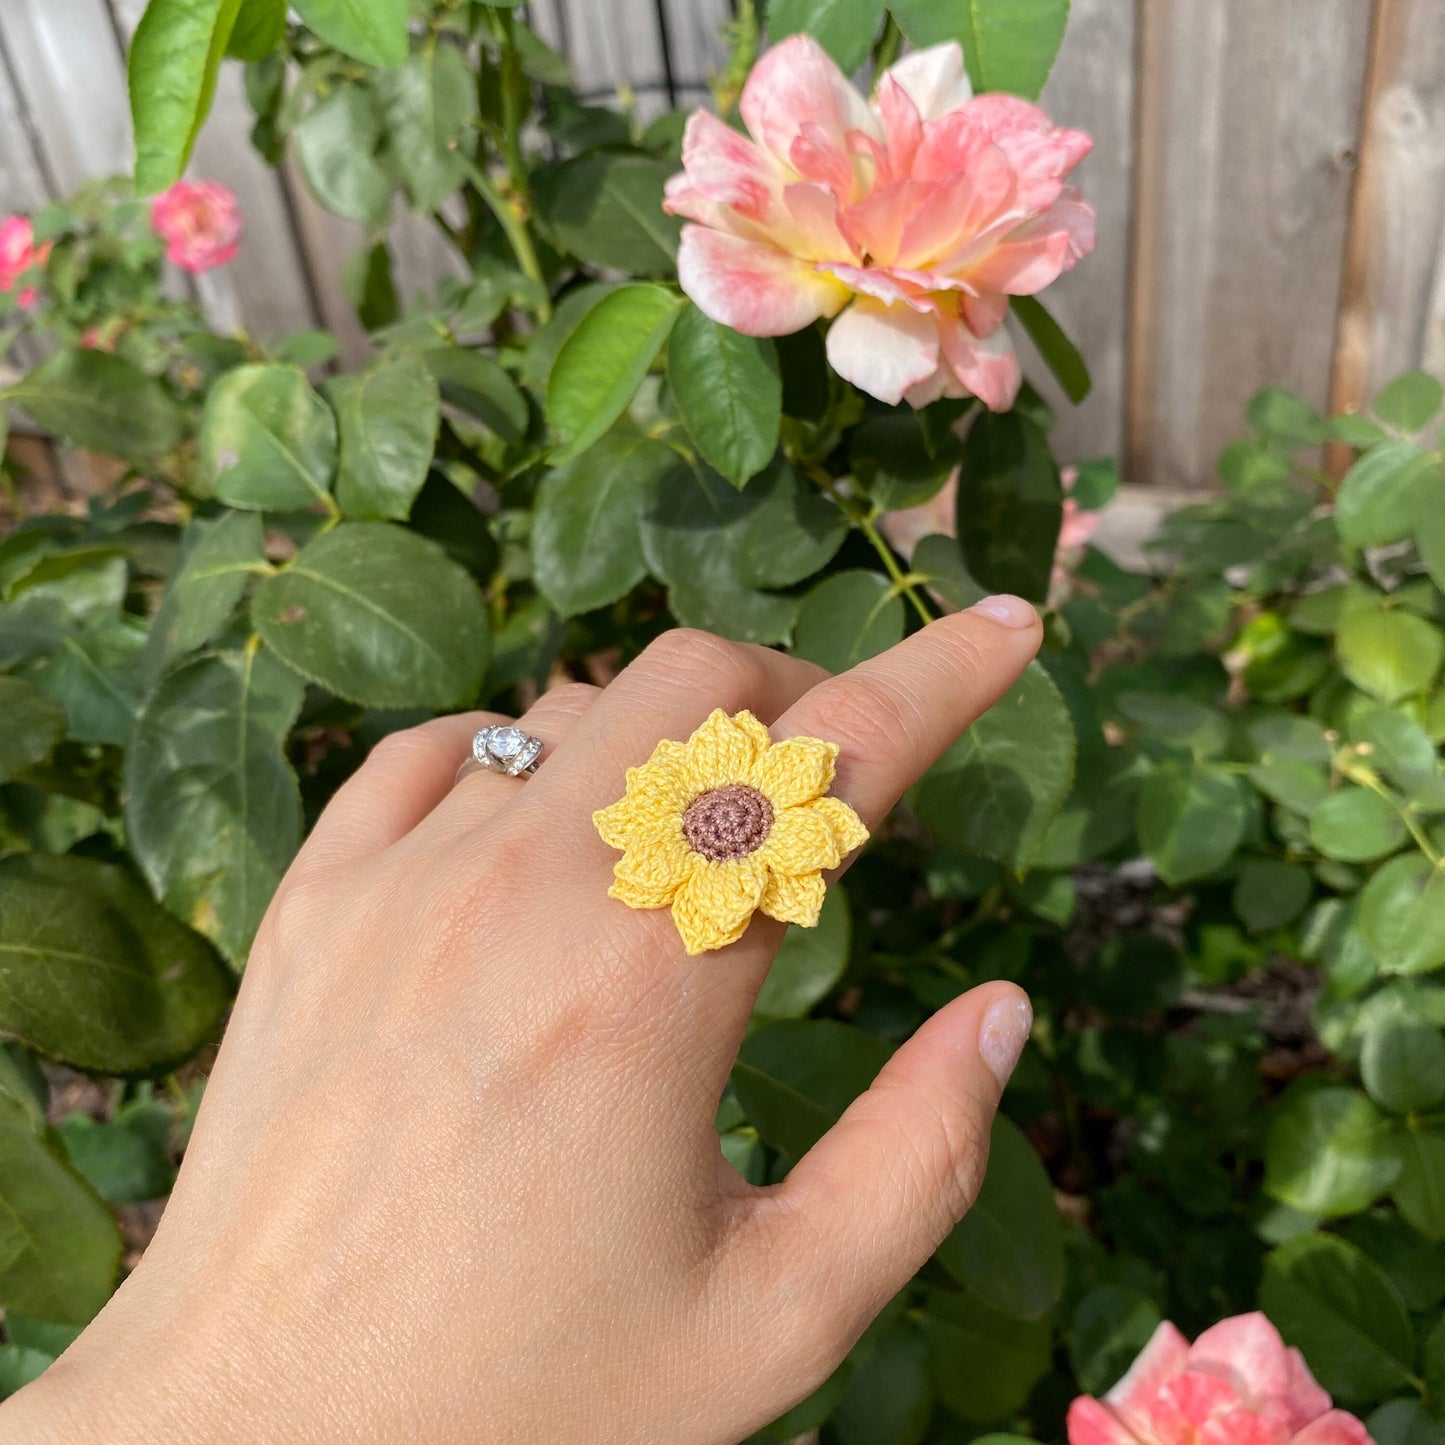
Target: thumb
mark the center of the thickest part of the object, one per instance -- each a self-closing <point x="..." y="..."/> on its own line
<point x="879" y="1192"/>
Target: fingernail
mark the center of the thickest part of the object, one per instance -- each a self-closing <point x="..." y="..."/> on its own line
<point x="1003" y="1034"/>
<point x="1008" y="610"/>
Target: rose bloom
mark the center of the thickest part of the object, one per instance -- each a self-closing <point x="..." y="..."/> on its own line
<point x="920" y="211"/>
<point x="18" y="254"/>
<point x="1077" y="528"/>
<point x="200" y="223"/>
<point x="1237" y="1384"/>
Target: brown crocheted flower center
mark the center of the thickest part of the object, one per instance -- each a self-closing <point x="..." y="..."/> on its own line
<point x="727" y="823"/>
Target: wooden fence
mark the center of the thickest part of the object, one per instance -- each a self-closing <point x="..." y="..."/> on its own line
<point x="1269" y="177"/>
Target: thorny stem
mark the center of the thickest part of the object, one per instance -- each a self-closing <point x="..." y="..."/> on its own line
<point x="903" y="582"/>
<point x="518" y="237"/>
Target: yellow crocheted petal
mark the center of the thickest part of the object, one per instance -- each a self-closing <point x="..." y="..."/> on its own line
<point x="801" y="842"/>
<point x="641" y="895"/>
<point x="723" y="751"/>
<point x="713" y="907"/>
<point x="795" y="771"/>
<point x="617" y="824"/>
<point x="794" y="900"/>
<point x="657" y="860"/>
<point x="847" y="826"/>
<point x="662" y="774"/>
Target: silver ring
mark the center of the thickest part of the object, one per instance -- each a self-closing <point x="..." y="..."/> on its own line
<point x="504" y="749"/>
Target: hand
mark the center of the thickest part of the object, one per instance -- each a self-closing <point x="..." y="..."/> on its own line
<point x="455" y="1177"/>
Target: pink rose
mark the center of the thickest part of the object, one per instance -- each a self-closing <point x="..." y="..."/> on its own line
<point x="19" y="254"/>
<point x="1236" y="1384"/>
<point x="920" y="211"/>
<point x="200" y="223"/>
<point x="1077" y="528"/>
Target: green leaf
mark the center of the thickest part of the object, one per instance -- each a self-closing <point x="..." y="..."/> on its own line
<point x="100" y="401"/>
<point x="97" y="975"/>
<point x="208" y="749"/>
<point x="259" y="30"/>
<point x="1111" y="1327"/>
<point x="1430" y="534"/>
<point x="124" y="1162"/>
<point x="1420" y="1189"/>
<point x="1286" y="418"/>
<point x="602" y="363"/>
<point x="34" y="723"/>
<point x="1402" y="1065"/>
<point x="794" y="1079"/>
<point x="984" y="1363"/>
<point x="372" y="31"/>
<point x="809" y="963"/>
<point x="1191" y="819"/>
<point x="378" y="615"/>
<point x="729" y="393"/>
<point x="476" y="384"/>
<point x="890" y="455"/>
<point x="1059" y="353"/>
<point x="1410" y="402"/>
<point x="268" y="441"/>
<point x="1009" y="1248"/>
<point x="1335" y="1305"/>
<point x="1403" y="1422"/>
<point x="1402" y="915"/>
<point x="847" y="618"/>
<point x="997" y="789"/>
<point x="59" y="1248"/>
<point x="20" y="1367"/>
<point x="1270" y="893"/>
<point x="605" y="208"/>
<point x="1356" y="825"/>
<point x="1382" y="493"/>
<point x="1434" y="1365"/>
<point x="889" y="1396"/>
<point x="844" y="28"/>
<point x="1326" y="1151"/>
<point x="336" y="145"/>
<point x="586" y="530"/>
<point x="217" y="557"/>
<point x="785" y="530"/>
<point x="1009" y="44"/>
<point x="387" y="419"/>
<point x="1390" y="654"/>
<point x="94" y="675"/>
<point x="427" y="104"/>
<point x="715" y="547"/>
<point x="175" y="56"/>
<point x="1010" y="505"/>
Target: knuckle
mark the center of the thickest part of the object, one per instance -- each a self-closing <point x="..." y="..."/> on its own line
<point x="865" y="715"/>
<point x="569" y="699"/>
<point x="689" y="655"/>
<point x="400" y="747"/>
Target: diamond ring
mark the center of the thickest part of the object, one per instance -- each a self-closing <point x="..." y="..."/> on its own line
<point x="503" y="750"/>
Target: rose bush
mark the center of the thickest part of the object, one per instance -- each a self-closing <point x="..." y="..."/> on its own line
<point x="1205" y="831"/>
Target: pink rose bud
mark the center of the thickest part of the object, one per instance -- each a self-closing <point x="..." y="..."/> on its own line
<point x="1237" y="1384"/>
<point x="200" y="223"/>
<point x="915" y="214"/>
<point x="19" y="254"/>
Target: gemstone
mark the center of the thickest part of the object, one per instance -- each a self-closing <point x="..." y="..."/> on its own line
<point x="505" y="743"/>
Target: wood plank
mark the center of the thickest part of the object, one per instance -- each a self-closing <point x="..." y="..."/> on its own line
<point x="1392" y="311"/>
<point x="1092" y="89"/>
<point x="70" y="76"/>
<point x="1251" y="114"/>
<point x="265" y="289"/>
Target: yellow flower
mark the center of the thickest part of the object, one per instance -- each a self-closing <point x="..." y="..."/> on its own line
<point x="726" y="823"/>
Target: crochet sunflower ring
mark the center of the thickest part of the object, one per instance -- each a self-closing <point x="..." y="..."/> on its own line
<point x="727" y="823"/>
